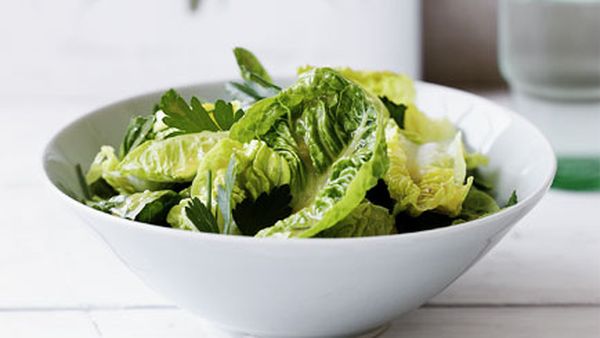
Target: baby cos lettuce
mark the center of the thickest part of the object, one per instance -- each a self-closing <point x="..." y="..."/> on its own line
<point x="365" y="220"/>
<point x="331" y="131"/>
<point x="428" y="176"/>
<point x="340" y="153"/>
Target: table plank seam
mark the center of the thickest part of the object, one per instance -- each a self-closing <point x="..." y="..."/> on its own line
<point x="86" y="308"/>
<point x="510" y="305"/>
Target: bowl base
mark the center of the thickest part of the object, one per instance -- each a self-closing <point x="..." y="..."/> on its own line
<point x="215" y="331"/>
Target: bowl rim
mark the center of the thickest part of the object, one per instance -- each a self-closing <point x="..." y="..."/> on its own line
<point x="530" y="200"/>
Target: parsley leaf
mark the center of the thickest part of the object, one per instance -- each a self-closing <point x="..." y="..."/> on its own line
<point x="225" y="116"/>
<point x="253" y="216"/>
<point x="380" y="195"/>
<point x="194" y="118"/>
<point x="396" y="110"/>
<point x="138" y="131"/>
<point x="224" y="193"/>
<point x="512" y="200"/>
<point x="201" y="216"/>
<point x="191" y="118"/>
<point x="102" y="189"/>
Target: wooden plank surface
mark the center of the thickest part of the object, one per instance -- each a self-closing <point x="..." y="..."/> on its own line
<point x="530" y="322"/>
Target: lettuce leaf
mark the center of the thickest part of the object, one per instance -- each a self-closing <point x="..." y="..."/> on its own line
<point x="429" y="176"/>
<point x="177" y="217"/>
<point x="174" y="159"/>
<point x="477" y="204"/>
<point x="105" y="167"/>
<point x="331" y="132"/>
<point x="396" y="87"/>
<point x="365" y="220"/>
<point x="421" y="128"/>
<point x="259" y="169"/>
<point x="475" y="160"/>
<point x="148" y="206"/>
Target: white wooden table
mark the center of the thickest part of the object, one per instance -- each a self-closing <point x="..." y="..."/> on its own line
<point x="57" y="279"/>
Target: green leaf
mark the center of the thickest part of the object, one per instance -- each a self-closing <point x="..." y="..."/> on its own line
<point x="175" y="159"/>
<point x="192" y="118"/>
<point x="250" y="68"/>
<point x="243" y="92"/>
<point x="138" y="131"/>
<point x="429" y="176"/>
<point x="102" y="189"/>
<point x="475" y="160"/>
<point x="398" y="88"/>
<point x="106" y="166"/>
<point x="224" y="195"/>
<point x="257" y="81"/>
<point x="201" y="216"/>
<point x="396" y="111"/>
<point x="195" y="117"/>
<point x="512" y="200"/>
<point x="380" y="195"/>
<point x="258" y="168"/>
<point x="251" y="216"/>
<point x="331" y="133"/>
<point x="148" y="206"/>
<point x="479" y="181"/>
<point x="365" y="220"/>
<point x="478" y="204"/>
<point x="225" y="116"/>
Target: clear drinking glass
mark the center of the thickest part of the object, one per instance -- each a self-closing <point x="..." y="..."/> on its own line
<point x="549" y="52"/>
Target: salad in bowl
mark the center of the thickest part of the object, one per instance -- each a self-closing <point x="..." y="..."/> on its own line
<point x="338" y="153"/>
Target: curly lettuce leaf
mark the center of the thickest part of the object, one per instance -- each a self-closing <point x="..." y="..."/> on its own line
<point x="477" y="204"/>
<point x="365" y="220"/>
<point x="475" y="160"/>
<point x="177" y="216"/>
<point x="259" y="169"/>
<point x="148" y="206"/>
<point x="421" y="128"/>
<point x="422" y="177"/>
<point x="174" y="159"/>
<point x="398" y="93"/>
<point x="105" y="168"/>
<point x="331" y="133"/>
<point x="396" y="87"/>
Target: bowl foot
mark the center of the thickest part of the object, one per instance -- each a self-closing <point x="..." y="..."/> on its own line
<point x="214" y="331"/>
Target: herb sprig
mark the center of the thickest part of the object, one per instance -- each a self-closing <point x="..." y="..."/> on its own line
<point x="397" y="111"/>
<point x="193" y="117"/>
<point x="253" y="216"/>
<point x="257" y="84"/>
<point x="138" y="131"/>
<point x="202" y="215"/>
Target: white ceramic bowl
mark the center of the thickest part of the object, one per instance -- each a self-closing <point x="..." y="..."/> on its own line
<point x="311" y="287"/>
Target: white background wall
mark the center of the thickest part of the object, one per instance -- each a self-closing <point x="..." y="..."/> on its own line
<point x="112" y="49"/>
